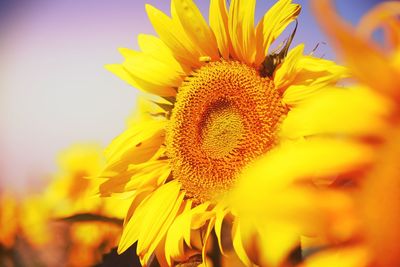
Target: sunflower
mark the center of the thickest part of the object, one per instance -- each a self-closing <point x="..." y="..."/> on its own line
<point x="23" y="218"/>
<point x="72" y="193"/>
<point x="376" y="68"/>
<point x="71" y="188"/>
<point x="8" y="219"/>
<point x="220" y="95"/>
<point x="295" y="180"/>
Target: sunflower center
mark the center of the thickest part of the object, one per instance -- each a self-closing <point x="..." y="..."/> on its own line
<point x="221" y="130"/>
<point x="225" y="116"/>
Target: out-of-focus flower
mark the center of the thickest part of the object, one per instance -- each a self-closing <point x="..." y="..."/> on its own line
<point x="90" y="240"/>
<point x="23" y="217"/>
<point x="376" y="68"/>
<point x="278" y="197"/>
<point x="25" y="228"/>
<point x="8" y="219"/>
<point x="223" y="96"/>
<point x="34" y="219"/>
<point x="72" y="193"/>
<point x="71" y="190"/>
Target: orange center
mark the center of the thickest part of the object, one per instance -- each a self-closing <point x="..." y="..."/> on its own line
<point x="225" y="116"/>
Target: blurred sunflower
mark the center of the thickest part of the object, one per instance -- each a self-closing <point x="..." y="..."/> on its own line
<point x="376" y="68"/>
<point x="286" y="198"/>
<point x="222" y="97"/>
<point x="94" y="229"/>
<point x="8" y="219"/>
<point x="72" y="189"/>
<point x="23" y="218"/>
<point x="24" y="228"/>
<point x="34" y="219"/>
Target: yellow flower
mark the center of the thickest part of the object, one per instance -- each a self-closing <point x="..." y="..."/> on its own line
<point x="23" y="218"/>
<point x="89" y="241"/>
<point x="8" y="219"/>
<point x="35" y="219"/>
<point x="72" y="192"/>
<point x="222" y="94"/>
<point x="376" y="69"/>
<point x="282" y="197"/>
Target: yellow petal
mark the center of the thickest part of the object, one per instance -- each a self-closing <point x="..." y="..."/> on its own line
<point x="300" y="77"/>
<point x="160" y="205"/>
<point x="241" y="29"/>
<point x="173" y="36"/>
<point x="136" y="144"/>
<point x="139" y="197"/>
<point x="150" y="174"/>
<point x="154" y="71"/>
<point x="160" y="255"/>
<point x="196" y="28"/>
<point x="147" y="86"/>
<point x="365" y="60"/>
<point x="386" y="15"/>
<point x="196" y="219"/>
<point x="379" y="203"/>
<point x="113" y="184"/>
<point x="132" y="228"/>
<point x="219" y="25"/>
<point x="286" y="72"/>
<point x="361" y="112"/>
<point x="149" y="217"/>
<point x="346" y="257"/>
<point x="220" y="213"/>
<point x="123" y="74"/>
<point x="179" y="230"/>
<point x="205" y="240"/>
<point x="153" y="46"/>
<point x="127" y="53"/>
<point x="294" y="161"/>
<point x="274" y="22"/>
<point x="275" y="179"/>
<point x="151" y="246"/>
<point x="133" y="72"/>
<point x="238" y="243"/>
<point x="293" y="211"/>
<point x="186" y="229"/>
<point x="147" y="105"/>
<point x="277" y="241"/>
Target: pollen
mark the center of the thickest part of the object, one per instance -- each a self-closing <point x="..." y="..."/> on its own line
<point x="226" y="115"/>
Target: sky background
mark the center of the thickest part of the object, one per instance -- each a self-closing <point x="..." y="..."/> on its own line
<point x="54" y="90"/>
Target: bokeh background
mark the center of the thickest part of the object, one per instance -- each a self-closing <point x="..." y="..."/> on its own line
<point x="54" y="90"/>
